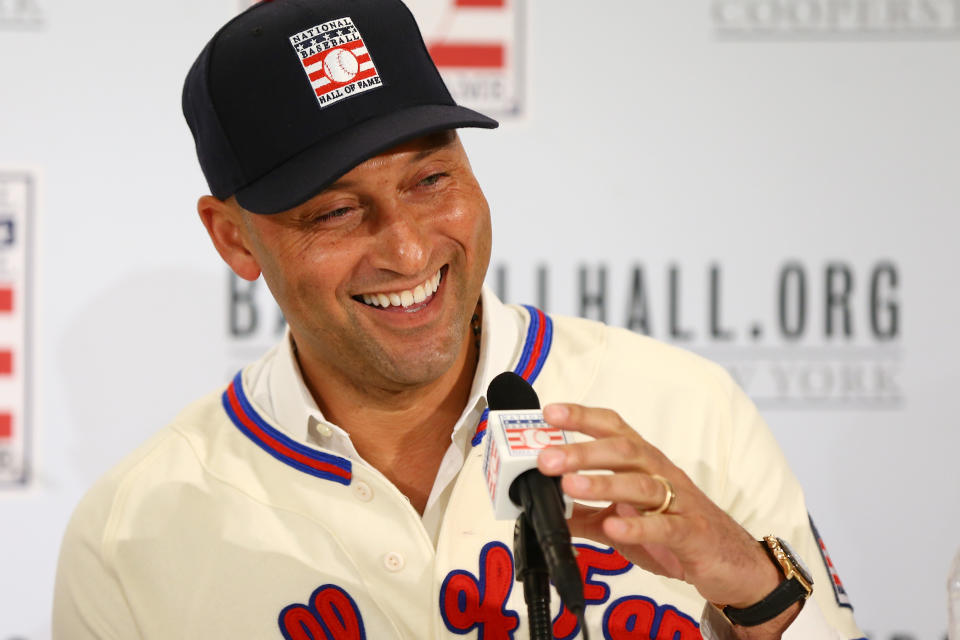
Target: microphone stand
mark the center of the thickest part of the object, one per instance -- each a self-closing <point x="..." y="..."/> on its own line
<point x="531" y="569"/>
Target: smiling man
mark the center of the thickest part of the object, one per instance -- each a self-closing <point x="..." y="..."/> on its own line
<point x="378" y="276"/>
<point x="333" y="489"/>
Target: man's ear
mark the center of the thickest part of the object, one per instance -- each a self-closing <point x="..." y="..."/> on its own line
<point x="224" y="223"/>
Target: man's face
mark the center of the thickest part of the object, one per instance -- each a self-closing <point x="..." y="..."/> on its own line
<point x="384" y="233"/>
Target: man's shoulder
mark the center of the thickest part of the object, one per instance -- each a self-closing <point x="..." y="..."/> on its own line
<point x="171" y="455"/>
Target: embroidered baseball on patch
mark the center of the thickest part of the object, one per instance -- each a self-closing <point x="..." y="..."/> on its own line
<point x="336" y="61"/>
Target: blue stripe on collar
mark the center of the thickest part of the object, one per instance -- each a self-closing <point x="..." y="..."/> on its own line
<point x="536" y="348"/>
<point x="281" y="447"/>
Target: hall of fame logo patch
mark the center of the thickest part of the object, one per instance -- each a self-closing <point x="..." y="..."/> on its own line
<point x="336" y="61"/>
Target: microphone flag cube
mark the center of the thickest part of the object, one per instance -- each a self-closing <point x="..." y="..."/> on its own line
<point x="514" y="439"/>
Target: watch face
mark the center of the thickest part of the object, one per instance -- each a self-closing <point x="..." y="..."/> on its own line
<point x="796" y="560"/>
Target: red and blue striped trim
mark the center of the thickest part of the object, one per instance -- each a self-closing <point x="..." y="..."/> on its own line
<point x="284" y="449"/>
<point x="536" y="348"/>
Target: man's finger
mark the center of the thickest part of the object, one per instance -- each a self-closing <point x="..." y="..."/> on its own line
<point x="587" y="522"/>
<point x="592" y="421"/>
<point x="617" y="453"/>
<point x="632" y="529"/>
<point x="641" y="490"/>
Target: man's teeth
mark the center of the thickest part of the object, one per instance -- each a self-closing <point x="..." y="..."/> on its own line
<point x="405" y="298"/>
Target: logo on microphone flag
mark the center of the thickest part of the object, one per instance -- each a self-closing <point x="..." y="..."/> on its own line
<point x="514" y="438"/>
<point x="526" y="435"/>
<point x="336" y="61"/>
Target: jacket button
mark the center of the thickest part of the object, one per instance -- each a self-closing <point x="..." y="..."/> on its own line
<point x="362" y="491"/>
<point x="393" y="561"/>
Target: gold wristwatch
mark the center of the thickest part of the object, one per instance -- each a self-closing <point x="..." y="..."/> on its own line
<point x="797" y="586"/>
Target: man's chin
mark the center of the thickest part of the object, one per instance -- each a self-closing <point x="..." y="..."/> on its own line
<point x="415" y="371"/>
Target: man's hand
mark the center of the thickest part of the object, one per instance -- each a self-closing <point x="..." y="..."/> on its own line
<point x="694" y="540"/>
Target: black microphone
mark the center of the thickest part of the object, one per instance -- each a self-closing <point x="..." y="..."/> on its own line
<point x="539" y="496"/>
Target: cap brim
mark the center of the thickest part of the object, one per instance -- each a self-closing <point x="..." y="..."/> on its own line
<point x="316" y="168"/>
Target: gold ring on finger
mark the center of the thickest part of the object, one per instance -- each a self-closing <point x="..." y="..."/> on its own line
<point x="668" y="499"/>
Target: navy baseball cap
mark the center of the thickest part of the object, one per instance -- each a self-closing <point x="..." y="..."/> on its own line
<point x="292" y="94"/>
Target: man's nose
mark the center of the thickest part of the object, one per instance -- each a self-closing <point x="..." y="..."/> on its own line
<point x="402" y="241"/>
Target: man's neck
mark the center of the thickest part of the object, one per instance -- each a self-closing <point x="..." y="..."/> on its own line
<point x="403" y="434"/>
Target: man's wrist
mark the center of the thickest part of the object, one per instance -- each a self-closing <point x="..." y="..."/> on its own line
<point x="765" y="579"/>
<point x="795" y="586"/>
<point x="770" y="630"/>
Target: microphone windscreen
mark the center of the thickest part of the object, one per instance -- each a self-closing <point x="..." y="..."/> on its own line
<point x="509" y="392"/>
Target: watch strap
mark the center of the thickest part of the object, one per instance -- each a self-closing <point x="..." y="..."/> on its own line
<point x="776" y="602"/>
<point x="796" y="586"/>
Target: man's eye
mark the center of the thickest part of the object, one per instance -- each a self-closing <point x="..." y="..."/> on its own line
<point x="432" y="180"/>
<point x="336" y="213"/>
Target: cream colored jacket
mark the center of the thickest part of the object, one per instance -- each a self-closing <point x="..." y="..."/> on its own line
<point x="251" y="517"/>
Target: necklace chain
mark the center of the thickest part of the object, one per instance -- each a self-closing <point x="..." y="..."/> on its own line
<point x="476" y="326"/>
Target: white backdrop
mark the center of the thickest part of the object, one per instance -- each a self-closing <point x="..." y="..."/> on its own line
<point x="807" y="149"/>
